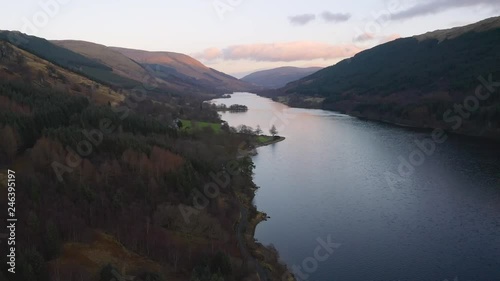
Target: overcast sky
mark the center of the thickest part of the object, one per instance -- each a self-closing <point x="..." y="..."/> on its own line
<point x="240" y="36"/>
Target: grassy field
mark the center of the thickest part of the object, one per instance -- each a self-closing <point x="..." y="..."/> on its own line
<point x="189" y="126"/>
<point x="264" y="139"/>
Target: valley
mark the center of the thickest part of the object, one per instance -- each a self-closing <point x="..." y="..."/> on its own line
<point x="144" y="165"/>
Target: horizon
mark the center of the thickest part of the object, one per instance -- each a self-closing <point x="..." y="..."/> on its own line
<point x="242" y="37"/>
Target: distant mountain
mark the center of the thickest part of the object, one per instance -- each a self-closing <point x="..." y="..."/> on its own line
<point x="278" y="77"/>
<point x="412" y="81"/>
<point x="180" y="67"/>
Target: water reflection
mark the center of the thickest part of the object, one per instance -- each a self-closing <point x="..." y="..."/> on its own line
<point x="327" y="178"/>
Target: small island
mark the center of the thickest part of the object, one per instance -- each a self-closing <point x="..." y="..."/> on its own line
<point x="231" y="108"/>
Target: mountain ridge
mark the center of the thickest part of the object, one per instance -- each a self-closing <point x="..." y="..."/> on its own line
<point x="103" y="54"/>
<point x="278" y="77"/>
<point x="450" y="33"/>
<point x="410" y="81"/>
<point x="185" y="67"/>
<point x="128" y="68"/>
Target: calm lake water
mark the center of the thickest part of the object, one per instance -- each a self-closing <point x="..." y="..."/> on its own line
<point x="327" y="179"/>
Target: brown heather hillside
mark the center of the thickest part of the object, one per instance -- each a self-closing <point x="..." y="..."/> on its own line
<point x="120" y="64"/>
<point x="124" y="66"/>
<point x="167" y="71"/>
<point x="184" y="63"/>
<point x="17" y="64"/>
<point x="185" y="68"/>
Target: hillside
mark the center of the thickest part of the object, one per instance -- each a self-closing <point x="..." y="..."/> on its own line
<point x="179" y="67"/>
<point x="412" y="81"/>
<point x="116" y="61"/>
<point x="105" y="180"/>
<point x="278" y="77"/>
<point x="126" y="67"/>
<point x="485" y="25"/>
<point x="66" y="58"/>
<point x="19" y="65"/>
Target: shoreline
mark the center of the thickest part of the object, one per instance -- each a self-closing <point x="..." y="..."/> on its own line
<point x="252" y="151"/>
<point x="268" y="259"/>
<point x="278" y="139"/>
<point x="269" y="263"/>
<point x="482" y="138"/>
<point x="480" y="135"/>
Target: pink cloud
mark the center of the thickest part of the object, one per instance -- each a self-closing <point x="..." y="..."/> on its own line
<point x="286" y="52"/>
<point x="210" y="54"/>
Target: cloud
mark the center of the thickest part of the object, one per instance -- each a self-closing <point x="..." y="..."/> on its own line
<point x="326" y="15"/>
<point x="302" y="19"/>
<point x="436" y="6"/>
<point x="363" y="37"/>
<point x="281" y="52"/>
<point x="335" y="17"/>
<point x="211" y="53"/>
